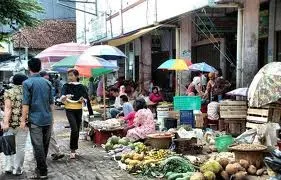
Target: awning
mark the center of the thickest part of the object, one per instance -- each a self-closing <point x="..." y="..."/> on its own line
<point x="131" y="37"/>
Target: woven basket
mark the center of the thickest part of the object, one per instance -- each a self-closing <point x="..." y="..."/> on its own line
<point x="159" y="143"/>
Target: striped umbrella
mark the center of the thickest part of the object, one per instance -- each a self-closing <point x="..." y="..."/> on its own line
<point x="177" y="65"/>
<point x="58" y="52"/>
<point x="174" y="64"/>
<point x="65" y="63"/>
<point x="88" y="66"/>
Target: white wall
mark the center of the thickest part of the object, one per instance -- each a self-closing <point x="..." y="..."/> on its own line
<point x="137" y="17"/>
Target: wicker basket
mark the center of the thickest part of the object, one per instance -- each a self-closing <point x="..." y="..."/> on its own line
<point x="159" y="142"/>
<point x="187" y="146"/>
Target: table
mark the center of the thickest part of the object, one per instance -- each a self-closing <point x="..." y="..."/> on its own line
<point x="101" y="136"/>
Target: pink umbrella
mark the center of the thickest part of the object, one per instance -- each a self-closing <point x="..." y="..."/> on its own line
<point x="60" y="51"/>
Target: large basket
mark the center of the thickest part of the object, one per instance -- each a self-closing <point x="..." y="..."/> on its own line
<point x="159" y="142"/>
<point x="187" y="102"/>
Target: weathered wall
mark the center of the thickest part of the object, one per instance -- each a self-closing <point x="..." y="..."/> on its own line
<point x="145" y="62"/>
<point x="278" y="15"/>
<point x="250" y="41"/>
<point x="185" y="48"/>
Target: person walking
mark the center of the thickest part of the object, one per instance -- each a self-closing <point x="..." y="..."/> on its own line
<point x="54" y="147"/>
<point x="73" y="95"/>
<point x="37" y="107"/>
<point x="13" y="108"/>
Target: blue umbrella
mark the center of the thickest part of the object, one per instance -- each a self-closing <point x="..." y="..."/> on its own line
<point x="204" y="67"/>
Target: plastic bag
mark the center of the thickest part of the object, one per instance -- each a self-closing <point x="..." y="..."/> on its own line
<point x="8" y="145"/>
<point x="247" y="137"/>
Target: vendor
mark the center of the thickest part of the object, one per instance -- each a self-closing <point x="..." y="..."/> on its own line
<point x="213" y="109"/>
<point x="117" y="107"/>
<point x="127" y="107"/>
<point x="195" y="87"/>
<point x="155" y="96"/>
<point x="122" y="90"/>
<point x="143" y="123"/>
<point x="210" y="86"/>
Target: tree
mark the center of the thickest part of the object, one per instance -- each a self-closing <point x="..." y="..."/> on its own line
<point x="18" y="13"/>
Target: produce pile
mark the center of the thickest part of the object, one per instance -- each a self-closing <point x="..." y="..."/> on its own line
<point x="108" y="124"/>
<point x="226" y="170"/>
<point x="139" y="159"/>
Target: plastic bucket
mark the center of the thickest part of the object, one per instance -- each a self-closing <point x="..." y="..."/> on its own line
<point x="223" y="142"/>
<point x="170" y="123"/>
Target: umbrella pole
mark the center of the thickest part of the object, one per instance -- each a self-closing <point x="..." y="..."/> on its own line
<point x="104" y="108"/>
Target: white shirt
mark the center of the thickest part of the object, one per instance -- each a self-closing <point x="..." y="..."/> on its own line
<point x="117" y="103"/>
<point x="213" y="110"/>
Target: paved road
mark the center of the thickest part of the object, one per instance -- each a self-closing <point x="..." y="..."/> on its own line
<point x="92" y="163"/>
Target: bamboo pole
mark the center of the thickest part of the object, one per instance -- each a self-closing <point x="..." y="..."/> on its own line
<point x="104" y="107"/>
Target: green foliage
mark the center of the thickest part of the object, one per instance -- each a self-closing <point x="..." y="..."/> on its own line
<point x="21" y="11"/>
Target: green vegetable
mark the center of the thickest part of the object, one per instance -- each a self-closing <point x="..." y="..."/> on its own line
<point x="168" y="174"/>
<point x="114" y="140"/>
<point x="123" y="142"/>
<point x="177" y="164"/>
<point x="174" y="176"/>
<point x="108" y="146"/>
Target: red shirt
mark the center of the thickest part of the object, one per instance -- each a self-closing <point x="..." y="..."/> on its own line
<point x="156" y="98"/>
<point x="130" y="118"/>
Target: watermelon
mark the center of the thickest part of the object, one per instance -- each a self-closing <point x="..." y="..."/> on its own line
<point x="114" y="140"/>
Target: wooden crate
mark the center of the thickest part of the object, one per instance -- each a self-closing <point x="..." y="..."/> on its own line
<point x="271" y="113"/>
<point x="199" y="120"/>
<point x="233" y="109"/>
<point x="235" y="127"/>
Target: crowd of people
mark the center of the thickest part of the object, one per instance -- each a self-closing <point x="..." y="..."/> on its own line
<point x="28" y="105"/>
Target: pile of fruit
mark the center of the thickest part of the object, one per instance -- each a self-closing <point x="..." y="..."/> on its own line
<point x="115" y="142"/>
<point x="138" y="162"/>
<point x="224" y="169"/>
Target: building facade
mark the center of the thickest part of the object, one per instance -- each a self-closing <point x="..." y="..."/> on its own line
<point x="238" y="36"/>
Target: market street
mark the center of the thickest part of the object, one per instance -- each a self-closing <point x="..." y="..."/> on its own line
<point x="92" y="163"/>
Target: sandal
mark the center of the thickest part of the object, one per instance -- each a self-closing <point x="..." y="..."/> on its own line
<point x="72" y="155"/>
<point x="56" y="157"/>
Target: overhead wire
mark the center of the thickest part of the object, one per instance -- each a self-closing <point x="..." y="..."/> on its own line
<point x="212" y="42"/>
<point x="216" y="31"/>
<point x="212" y="35"/>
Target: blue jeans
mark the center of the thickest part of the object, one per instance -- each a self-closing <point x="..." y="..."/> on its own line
<point x="40" y="139"/>
<point x="114" y="111"/>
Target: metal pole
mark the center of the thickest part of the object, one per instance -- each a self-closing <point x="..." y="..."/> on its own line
<point x="26" y="53"/>
<point x="239" y="48"/>
<point x="177" y="56"/>
<point x="104" y="102"/>
<point x="121" y="15"/>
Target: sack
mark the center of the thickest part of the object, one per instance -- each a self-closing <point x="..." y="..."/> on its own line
<point x="8" y="145"/>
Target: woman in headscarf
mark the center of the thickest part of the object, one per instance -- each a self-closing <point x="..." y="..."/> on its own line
<point x="155" y="96"/>
<point x="143" y="123"/>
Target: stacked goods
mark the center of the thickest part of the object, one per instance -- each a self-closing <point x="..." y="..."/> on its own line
<point x="234" y="114"/>
<point x="107" y="125"/>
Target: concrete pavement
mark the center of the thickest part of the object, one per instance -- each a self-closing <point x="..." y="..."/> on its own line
<point x="92" y="163"/>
